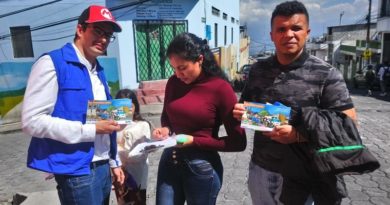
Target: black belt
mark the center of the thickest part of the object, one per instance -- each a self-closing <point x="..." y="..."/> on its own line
<point x="98" y="163"/>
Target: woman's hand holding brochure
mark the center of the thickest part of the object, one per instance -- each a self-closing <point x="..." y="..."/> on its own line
<point x="180" y="140"/>
<point x="151" y="146"/>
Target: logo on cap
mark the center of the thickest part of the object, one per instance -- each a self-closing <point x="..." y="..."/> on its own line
<point x="96" y="13"/>
<point x="106" y="13"/>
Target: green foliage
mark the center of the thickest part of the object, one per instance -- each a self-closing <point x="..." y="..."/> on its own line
<point x="114" y="87"/>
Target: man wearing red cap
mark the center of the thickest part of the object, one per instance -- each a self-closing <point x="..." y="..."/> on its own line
<point x="60" y="85"/>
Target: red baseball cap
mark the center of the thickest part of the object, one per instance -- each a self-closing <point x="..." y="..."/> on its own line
<point x="96" y="13"/>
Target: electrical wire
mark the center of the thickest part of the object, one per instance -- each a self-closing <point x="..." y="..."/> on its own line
<point x="53" y="39"/>
<point x="67" y="20"/>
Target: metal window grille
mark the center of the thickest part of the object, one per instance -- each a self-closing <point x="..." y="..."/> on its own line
<point x="152" y="39"/>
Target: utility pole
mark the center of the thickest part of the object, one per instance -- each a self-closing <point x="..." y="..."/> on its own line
<point x="367" y="53"/>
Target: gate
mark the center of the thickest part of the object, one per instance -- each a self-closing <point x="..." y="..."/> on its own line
<point x="152" y="39"/>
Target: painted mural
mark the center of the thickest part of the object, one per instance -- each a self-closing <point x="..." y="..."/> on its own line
<point x="111" y="70"/>
<point x="13" y="81"/>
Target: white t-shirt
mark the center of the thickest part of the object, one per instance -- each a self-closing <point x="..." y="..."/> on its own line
<point x="133" y="134"/>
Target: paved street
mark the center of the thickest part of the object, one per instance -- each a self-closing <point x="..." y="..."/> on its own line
<point x="367" y="189"/>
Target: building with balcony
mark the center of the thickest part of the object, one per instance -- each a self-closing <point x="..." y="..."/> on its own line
<point x="318" y="47"/>
<point x="347" y="46"/>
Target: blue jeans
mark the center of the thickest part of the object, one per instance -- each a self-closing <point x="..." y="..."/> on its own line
<point x="186" y="176"/>
<point x="92" y="189"/>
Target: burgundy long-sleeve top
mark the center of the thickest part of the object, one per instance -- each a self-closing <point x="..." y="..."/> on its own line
<point x="199" y="109"/>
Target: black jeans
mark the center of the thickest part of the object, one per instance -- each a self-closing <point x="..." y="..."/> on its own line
<point x="325" y="190"/>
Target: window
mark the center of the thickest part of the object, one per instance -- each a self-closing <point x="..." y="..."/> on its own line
<point x="215" y="11"/>
<point x="232" y="32"/>
<point x="224" y="16"/>
<point x="233" y="20"/>
<point x="385" y="8"/>
<point x="208" y="32"/>
<point x="215" y="35"/>
<point x="21" y="41"/>
<point x="225" y="36"/>
<point x="151" y="39"/>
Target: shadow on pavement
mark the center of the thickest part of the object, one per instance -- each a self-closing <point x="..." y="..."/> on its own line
<point x="364" y="91"/>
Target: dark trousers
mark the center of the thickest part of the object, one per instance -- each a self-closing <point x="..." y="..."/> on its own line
<point x="325" y="190"/>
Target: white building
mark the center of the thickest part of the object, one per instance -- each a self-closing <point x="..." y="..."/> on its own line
<point x="346" y="46"/>
<point x="29" y="28"/>
<point x="383" y="28"/>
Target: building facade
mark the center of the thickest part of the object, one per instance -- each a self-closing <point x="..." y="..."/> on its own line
<point x="32" y="27"/>
<point x="383" y="28"/>
<point x="347" y="46"/>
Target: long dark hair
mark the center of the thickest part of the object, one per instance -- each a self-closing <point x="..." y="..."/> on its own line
<point x="127" y="93"/>
<point x="189" y="47"/>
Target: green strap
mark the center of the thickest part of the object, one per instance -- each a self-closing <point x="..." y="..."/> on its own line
<point x="330" y="149"/>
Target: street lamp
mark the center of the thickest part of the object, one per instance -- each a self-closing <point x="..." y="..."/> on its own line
<point x="341" y="15"/>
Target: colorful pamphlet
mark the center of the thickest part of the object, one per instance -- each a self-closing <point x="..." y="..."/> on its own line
<point x="264" y="117"/>
<point x="115" y="109"/>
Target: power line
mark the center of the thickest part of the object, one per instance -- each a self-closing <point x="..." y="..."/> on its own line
<point x="26" y="9"/>
<point x="53" y="39"/>
<point x="67" y="20"/>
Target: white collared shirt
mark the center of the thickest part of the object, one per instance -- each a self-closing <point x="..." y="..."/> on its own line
<point x="39" y="101"/>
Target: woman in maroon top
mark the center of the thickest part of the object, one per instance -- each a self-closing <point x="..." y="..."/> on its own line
<point x="198" y="100"/>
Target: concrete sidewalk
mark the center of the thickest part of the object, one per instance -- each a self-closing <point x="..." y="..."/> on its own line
<point x="367" y="189"/>
<point x="40" y="191"/>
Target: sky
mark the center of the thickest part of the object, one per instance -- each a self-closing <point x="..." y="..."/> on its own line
<point x="256" y="15"/>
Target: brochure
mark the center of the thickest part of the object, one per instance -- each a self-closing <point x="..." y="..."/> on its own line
<point x="151" y="146"/>
<point x="264" y="117"/>
<point x="115" y="109"/>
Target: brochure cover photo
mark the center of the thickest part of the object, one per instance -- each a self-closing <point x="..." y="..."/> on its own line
<point x="115" y="109"/>
<point x="264" y="117"/>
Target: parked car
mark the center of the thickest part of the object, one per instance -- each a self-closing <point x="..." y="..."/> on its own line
<point x="241" y="77"/>
<point x="359" y="79"/>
